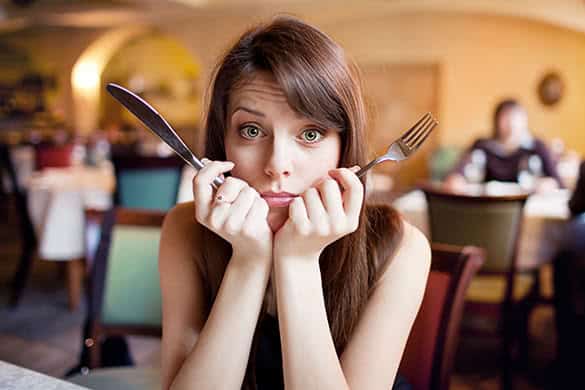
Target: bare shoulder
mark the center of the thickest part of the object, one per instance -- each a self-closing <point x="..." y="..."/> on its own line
<point x="411" y="261"/>
<point x="180" y="216"/>
<point x="179" y="233"/>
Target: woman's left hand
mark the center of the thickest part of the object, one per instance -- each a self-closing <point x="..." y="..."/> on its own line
<point x="321" y="215"/>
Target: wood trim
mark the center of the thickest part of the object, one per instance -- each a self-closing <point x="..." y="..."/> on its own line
<point x="109" y="219"/>
<point x="461" y="263"/>
<point x="438" y="192"/>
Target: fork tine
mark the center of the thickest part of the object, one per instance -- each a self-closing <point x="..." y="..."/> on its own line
<point x="415" y="134"/>
<point x="414" y="127"/>
<point x="420" y="140"/>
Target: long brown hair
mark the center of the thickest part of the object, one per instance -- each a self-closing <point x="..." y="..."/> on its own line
<point x="319" y="83"/>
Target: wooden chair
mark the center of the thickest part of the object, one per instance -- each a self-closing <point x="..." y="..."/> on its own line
<point x="124" y="295"/>
<point x="49" y="155"/>
<point x="27" y="231"/>
<point x="428" y="358"/>
<point x="147" y="182"/>
<point x="500" y="290"/>
<point x="124" y="291"/>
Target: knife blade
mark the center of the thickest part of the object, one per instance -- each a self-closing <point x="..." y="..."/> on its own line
<point x="155" y="122"/>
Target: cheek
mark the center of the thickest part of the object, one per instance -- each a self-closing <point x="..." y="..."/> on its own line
<point x="318" y="163"/>
<point x="245" y="160"/>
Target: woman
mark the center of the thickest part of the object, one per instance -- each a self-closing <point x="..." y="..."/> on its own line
<point x="510" y="150"/>
<point x="285" y="278"/>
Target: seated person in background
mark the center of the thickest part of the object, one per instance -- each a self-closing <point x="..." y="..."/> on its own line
<point x="577" y="202"/>
<point x="512" y="154"/>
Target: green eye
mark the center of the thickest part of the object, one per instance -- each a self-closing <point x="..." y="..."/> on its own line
<point x="250" y="132"/>
<point x="312" y="135"/>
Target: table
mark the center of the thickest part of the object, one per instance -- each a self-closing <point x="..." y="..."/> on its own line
<point x="57" y="198"/>
<point x="17" y="378"/>
<point x="544" y="218"/>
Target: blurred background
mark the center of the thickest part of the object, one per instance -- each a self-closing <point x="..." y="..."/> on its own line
<point x="456" y="59"/>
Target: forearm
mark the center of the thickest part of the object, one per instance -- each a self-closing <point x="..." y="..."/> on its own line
<point x="220" y="356"/>
<point x="309" y="357"/>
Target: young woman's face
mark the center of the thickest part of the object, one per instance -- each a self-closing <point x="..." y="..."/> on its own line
<point x="275" y="150"/>
<point x="512" y="124"/>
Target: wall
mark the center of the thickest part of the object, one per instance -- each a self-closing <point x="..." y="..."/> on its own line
<point x="482" y="59"/>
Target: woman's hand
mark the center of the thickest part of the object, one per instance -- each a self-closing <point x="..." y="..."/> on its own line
<point x="322" y="215"/>
<point x="236" y="212"/>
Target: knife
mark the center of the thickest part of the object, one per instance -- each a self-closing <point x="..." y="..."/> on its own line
<point x="155" y="122"/>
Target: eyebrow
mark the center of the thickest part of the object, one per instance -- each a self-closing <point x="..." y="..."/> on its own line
<point x="251" y="111"/>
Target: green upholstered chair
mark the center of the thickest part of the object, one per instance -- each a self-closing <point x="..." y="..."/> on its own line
<point x="124" y="294"/>
<point x="428" y="358"/>
<point x="147" y="182"/>
<point x="124" y="291"/>
<point x="500" y="290"/>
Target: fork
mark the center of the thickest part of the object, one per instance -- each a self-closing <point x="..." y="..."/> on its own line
<point x="406" y="145"/>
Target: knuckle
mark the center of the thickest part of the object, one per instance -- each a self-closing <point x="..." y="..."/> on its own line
<point x="338" y="228"/>
<point x="231" y="227"/>
<point x="329" y="184"/>
<point x="323" y="230"/>
<point x="303" y="229"/>
<point x="249" y="192"/>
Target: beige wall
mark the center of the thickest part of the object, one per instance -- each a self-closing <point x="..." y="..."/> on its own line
<point x="482" y="59"/>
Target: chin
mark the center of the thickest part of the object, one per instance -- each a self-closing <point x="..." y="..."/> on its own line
<point x="277" y="219"/>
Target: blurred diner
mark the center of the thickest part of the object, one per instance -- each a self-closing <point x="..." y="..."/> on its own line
<point x="510" y="154"/>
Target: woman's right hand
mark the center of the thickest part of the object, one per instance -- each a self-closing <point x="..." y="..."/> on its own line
<point x="235" y="212"/>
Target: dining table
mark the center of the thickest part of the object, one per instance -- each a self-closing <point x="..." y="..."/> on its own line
<point x="57" y="199"/>
<point x="544" y="218"/>
<point x="13" y="377"/>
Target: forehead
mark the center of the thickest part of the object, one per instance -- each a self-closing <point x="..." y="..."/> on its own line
<point x="257" y="91"/>
<point x="514" y="111"/>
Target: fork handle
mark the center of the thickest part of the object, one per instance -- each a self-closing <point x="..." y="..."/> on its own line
<point x="366" y="168"/>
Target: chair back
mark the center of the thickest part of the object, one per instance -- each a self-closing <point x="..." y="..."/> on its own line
<point x="428" y="357"/>
<point x="125" y="293"/>
<point x="53" y="156"/>
<point x="147" y="182"/>
<point x="489" y="222"/>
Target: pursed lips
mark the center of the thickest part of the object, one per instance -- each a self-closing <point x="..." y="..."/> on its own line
<point x="278" y="199"/>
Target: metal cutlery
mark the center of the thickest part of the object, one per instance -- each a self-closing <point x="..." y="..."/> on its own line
<point x="155" y="122"/>
<point x="406" y="145"/>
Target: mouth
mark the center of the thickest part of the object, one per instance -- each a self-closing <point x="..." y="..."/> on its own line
<point x="278" y="199"/>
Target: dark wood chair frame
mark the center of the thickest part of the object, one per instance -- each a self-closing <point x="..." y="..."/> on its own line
<point x="461" y="263"/>
<point x="107" y="220"/>
<point x="513" y="316"/>
<point x="27" y="231"/>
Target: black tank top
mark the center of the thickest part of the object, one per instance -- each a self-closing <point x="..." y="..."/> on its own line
<point x="269" y="374"/>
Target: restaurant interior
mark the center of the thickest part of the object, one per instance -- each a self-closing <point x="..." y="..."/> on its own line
<point x="85" y="184"/>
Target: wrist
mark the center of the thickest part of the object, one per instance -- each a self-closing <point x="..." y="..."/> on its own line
<point x="251" y="262"/>
<point x="296" y="259"/>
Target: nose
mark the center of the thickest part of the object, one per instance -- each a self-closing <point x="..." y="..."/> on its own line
<point x="279" y="162"/>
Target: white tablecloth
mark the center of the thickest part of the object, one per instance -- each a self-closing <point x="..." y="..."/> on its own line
<point x="57" y="198"/>
<point x="17" y="378"/>
<point x="544" y="218"/>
